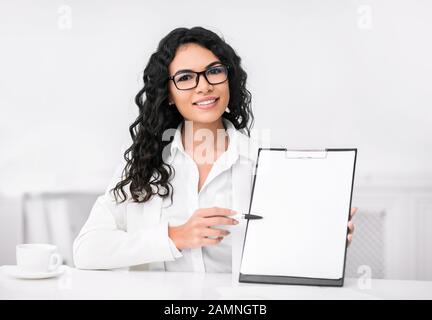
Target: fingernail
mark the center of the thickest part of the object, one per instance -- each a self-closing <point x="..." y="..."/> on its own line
<point x="233" y="211"/>
<point x="235" y="221"/>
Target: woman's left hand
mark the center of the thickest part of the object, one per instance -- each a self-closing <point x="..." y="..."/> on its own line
<point x="351" y="226"/>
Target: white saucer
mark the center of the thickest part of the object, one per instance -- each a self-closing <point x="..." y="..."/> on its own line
<point x="17" y="272"/>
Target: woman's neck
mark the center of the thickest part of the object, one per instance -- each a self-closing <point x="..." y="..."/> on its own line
<point x="204" y="142"/>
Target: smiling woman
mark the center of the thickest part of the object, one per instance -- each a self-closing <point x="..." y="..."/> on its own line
<point x="172" y="204"/>
<point x="194" y="86"/>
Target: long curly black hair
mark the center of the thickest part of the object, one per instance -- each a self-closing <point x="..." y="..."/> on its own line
<point x="146" y="171"/>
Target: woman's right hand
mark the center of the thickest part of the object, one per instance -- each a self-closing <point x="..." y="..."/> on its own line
<point x="195" y="232"/>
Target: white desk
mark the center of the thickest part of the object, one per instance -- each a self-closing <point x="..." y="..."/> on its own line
<point x="122" y="284"/>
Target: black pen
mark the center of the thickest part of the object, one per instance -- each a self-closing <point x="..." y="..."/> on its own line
<point x="247" y="216"/>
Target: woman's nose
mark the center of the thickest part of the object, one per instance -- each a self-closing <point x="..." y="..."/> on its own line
<point x="203" y="85"/>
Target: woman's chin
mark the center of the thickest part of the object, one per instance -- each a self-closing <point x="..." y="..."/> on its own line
<point x="208" y="116"/>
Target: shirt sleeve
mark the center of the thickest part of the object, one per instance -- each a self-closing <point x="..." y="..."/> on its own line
<point x="101" y="244"/>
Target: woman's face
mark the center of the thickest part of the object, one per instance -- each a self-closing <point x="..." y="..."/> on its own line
<point x="191" y="103"/>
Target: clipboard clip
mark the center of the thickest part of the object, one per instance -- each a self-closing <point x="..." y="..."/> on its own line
<point x="305" y="153"/>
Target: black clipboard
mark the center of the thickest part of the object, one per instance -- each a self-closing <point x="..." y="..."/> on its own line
<point x="339" y="161"/>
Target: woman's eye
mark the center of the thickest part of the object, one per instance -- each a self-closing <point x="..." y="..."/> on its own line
<point x="184" y="77"/>
<point x="216" y="70"/>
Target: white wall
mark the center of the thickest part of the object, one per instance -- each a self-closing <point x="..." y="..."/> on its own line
<point x="322" y="74"/>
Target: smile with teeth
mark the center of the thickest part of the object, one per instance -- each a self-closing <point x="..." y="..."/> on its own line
<point x="207" y="102"/>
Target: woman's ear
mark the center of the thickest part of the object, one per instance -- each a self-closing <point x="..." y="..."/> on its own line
<point x="170" y="100"/>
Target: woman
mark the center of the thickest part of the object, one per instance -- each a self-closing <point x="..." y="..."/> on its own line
<point x="188" y="170"/>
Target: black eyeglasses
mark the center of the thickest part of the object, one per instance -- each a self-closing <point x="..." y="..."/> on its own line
<point x="186" y="80"/>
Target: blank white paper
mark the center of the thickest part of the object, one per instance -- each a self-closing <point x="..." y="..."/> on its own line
<point x="305" y="206"/>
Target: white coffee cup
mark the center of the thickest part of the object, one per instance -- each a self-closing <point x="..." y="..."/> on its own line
<point x="38" y="257"/>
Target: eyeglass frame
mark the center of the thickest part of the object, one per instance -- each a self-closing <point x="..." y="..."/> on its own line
<point x="199" y="74"/>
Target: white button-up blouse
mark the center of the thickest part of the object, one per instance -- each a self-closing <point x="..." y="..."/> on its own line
<point x="216" y="192"/>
